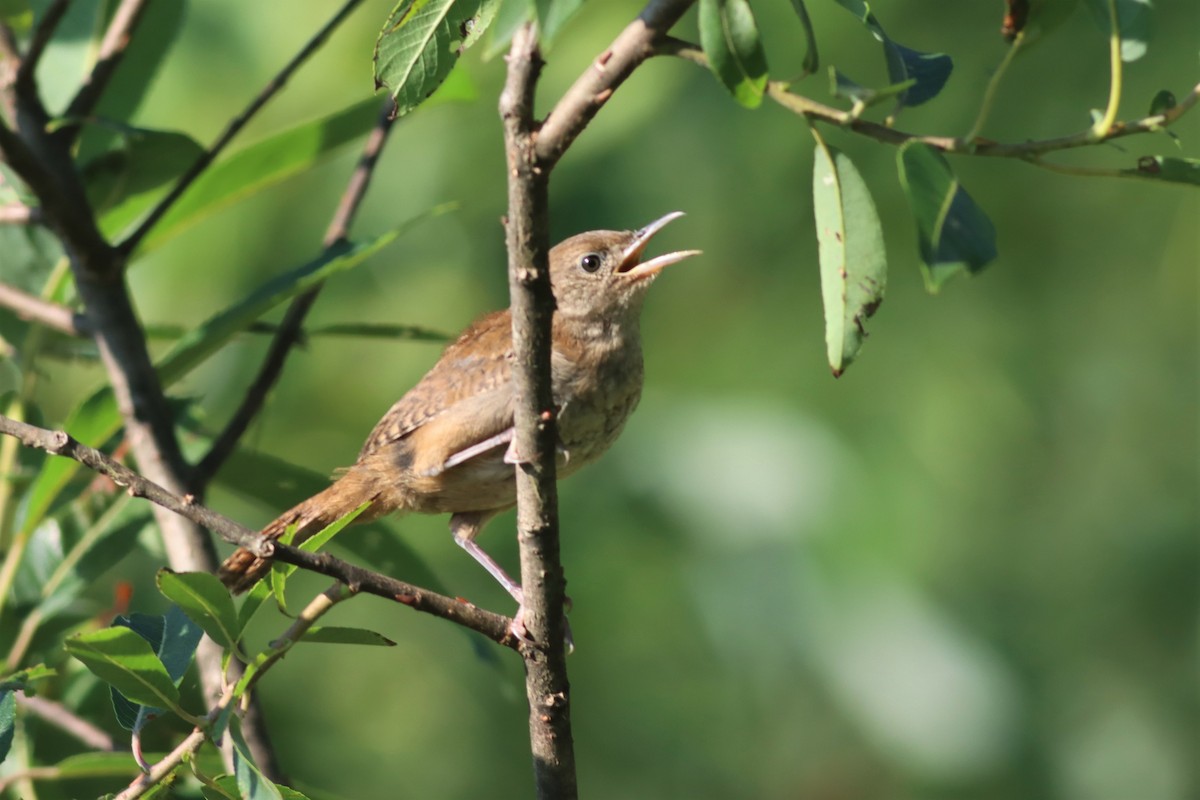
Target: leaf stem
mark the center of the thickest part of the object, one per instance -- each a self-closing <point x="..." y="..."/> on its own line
<point x="989" y="94"/>
<point x="1105" y="124"/>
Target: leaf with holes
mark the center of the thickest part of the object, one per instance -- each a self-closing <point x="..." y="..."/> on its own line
<point x="852" y="255"/>
<point x="729" y="36"/>
<point x="955" y="234"/>
<point x="420" y="43"/>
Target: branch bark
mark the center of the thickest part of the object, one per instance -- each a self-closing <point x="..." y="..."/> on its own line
<point x="493" y="626"/>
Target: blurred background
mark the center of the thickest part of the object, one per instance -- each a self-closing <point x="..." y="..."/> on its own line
<point x="966" y="569"/>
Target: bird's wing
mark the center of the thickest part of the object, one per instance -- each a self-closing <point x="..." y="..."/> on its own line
<point x="461" y="404"/>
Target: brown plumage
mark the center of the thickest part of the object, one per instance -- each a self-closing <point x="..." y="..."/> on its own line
<point x="446" y="445"/>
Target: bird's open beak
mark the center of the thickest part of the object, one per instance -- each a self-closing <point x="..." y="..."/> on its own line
<point x="633" y="267"/>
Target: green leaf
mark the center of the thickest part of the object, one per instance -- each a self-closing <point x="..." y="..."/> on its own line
<point x="420" y="43"/>
<point x="729" y="36"/>
<point x="174" y="638"/>
<point x="955" y="234"/>
<point x="852" y="254"/>
<point x="331" y="634"/>
<point x="142" y="161"/>
<point x="27" y="679"/>
<point x="102" y="765"/>
<point x="1134" y="21"/>
<point x="8" y="721"/>
<point x="251" y="782"/>
<point x="929" y="71"/>
<point x="1164" y="101"/>
<point x="17" y="15"/>
<point x="378" y="330"/>
<point x="510" y="16"/>
<point x="206" y="602"/>
<point x="841" y="86"/>
<point x="1165" y="168"/>
<point x="140" y="64"/>
<point x="811" y="59"/>
<point x="124" y="659"/>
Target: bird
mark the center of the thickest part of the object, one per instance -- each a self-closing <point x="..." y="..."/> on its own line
<point x="448" y="445"/>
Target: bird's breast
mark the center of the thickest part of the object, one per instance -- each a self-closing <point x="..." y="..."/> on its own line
<point x="595" y="394"/>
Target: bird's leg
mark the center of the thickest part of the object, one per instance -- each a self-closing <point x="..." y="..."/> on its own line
<point x="465" y="526"/>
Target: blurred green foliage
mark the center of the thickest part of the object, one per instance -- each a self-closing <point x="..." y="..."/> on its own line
<point x="966" y="569"/>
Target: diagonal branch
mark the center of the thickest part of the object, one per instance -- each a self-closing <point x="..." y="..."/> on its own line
<point x="112" y="51"/>
<point x="235" y="126"/>
<point x="493" y="626"/>
<point x="288" y="334"/>
<point x="43" y="312"/>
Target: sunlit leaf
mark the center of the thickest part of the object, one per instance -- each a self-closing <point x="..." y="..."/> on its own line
<point x="17" y="15"/>
<point x="852" y="254"/>
<point x="26" y="680"/>
<point x="420" y="43"/>
<point x="730" y="38"/>
<point x="124" y="659"/>
<point x="955" y="234"/>
<point x="174" y="638"/>
<point x="202" y="597"/>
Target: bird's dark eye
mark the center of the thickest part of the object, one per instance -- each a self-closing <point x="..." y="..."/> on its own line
<point x="590" y="262"/>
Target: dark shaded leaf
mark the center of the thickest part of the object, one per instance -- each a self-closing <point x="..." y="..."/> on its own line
<point x="841" y="86"/>
<point x="142" y="161"/>
<point x="1134" y="19"/>
<point x="8" y="721"/>
<point x="1164" y="101"/>
<point x="250" y="781"/>
<point x="331" y="634"/>
<point x="205" y="600"/>
<point x="811" y="60"/>
<point x="955" y="234"/>
<point x="729" y="36"/>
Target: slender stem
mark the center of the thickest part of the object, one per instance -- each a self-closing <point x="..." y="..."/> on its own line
<point x="989" y="94"/>
<point x="18" y="214"/>
<point x="235" y="126"/>
<point x="493" y="626"/>
<point x="51" y="315"/>
<point x="67" y="721"/>
<point x="1104" y="125"/>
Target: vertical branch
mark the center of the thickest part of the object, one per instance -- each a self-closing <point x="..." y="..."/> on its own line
<point x="546" y="685"/>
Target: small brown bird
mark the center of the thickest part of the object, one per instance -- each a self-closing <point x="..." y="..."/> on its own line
<point x="447" y="445"/>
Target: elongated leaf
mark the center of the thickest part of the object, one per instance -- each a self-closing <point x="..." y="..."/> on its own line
<point x="251" y="782"/>
<point x="206" y="602"/>
<point x="955" y="234"/>
<point x="729" y="36"/>
<point x="1165" y="168"/>
<point x="420" y="43"/>
<point x="852" y="253"/>
<point x="139" y="66"/>
<point x="8" y="721"/>
<point x="142" y="161"/>
<point x="930" y="71"/>
<point x="120" y="657"/>
<point x="102" y="765"/>
<point x="332" y="634"/>
<point x="280" y="572"/>
<point x="510" y="15"/>
<point x="552" y="15"/>
<point x="842" y="86"/>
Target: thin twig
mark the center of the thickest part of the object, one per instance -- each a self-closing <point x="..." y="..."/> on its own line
<point x="52" y="315"/>
<point x="532" y="303"/>
<point x="592" y="89"/>
<point x="235" y="126"/>
<point x="289" y="332"/>
<point x="493" y="626"/>
<point x="112" y="51"/>
<point x="66" y="720"/>
<point x="19" y="214"/>
<point x="799" y="104"/>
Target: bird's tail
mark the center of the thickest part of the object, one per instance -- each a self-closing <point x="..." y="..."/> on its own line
<point x="243" y="569"/>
